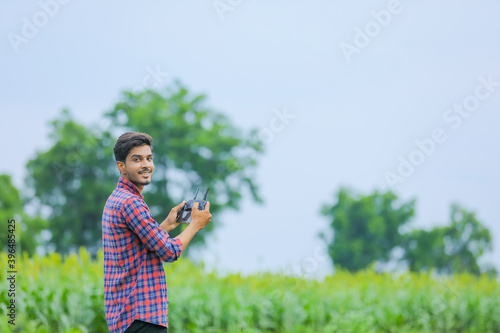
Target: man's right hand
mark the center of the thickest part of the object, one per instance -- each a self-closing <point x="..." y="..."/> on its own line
<point x="200" y="218"/>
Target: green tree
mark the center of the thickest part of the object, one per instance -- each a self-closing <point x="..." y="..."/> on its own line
<point x="455" y="248"/>
<point x="27" y="228"/>
<point x="72" y="179"/>
<point x="193" y="146"/>
<point x="365" y="228"/>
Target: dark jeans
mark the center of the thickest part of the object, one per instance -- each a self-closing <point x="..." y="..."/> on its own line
<point x="139" y="326"/>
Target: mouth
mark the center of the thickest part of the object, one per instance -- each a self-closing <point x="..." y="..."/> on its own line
<point x="145" y="173"/>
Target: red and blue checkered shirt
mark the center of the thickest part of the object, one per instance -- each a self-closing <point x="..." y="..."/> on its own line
<point x="135" y="247"/>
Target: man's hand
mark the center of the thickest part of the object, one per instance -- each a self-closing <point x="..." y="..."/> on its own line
<point x="170" y="222"/>
<point x="200" y="218"/>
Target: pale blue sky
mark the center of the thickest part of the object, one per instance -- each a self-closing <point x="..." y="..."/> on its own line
<point x="352" y="119"/>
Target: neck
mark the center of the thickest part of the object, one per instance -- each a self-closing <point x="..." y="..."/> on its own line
<point x="140" y="187"/>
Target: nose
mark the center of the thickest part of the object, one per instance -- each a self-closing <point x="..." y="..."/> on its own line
<point x="147" y="164"/>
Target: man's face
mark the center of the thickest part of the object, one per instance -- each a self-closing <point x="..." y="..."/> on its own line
<point x="138" y="167"/>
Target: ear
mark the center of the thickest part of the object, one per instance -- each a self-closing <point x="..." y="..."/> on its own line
<point x="121" y="166"/>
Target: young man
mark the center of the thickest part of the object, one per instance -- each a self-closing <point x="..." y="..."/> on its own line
<point x="135" y="246"/>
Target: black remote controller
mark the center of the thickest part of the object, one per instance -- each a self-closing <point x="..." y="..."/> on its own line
<point x="184" y="214"/>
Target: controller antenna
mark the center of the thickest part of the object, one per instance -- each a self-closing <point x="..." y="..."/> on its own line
<point x="196" y="194"/>
<point x="205" y="197"/>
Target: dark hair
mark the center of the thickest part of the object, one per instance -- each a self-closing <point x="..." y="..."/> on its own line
<point x="127" y="141"/>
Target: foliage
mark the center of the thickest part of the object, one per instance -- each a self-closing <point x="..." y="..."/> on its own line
<point x="12" y="208"/>
<point x="193" y="146"/>
<point x="449" y="249"/>
<point x="366" y="228"/>
<point x="73" y="179"/>
<point x="56" y="294"/>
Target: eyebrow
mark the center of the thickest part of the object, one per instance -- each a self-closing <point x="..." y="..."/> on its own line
<point x="135" y="155"/>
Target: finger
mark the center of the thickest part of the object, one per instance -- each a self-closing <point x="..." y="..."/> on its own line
<point x="195" y="205"/>
<point x="207" y="206"/>
<point x="179" y="206"/>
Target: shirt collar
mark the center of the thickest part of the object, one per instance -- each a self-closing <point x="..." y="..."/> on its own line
<point x="129" y="186"/>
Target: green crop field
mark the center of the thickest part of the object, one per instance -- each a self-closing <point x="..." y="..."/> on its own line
<point x="55" y="294"/>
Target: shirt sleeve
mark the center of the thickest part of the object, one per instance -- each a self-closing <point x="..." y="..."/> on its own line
<point x="140" y="221"/>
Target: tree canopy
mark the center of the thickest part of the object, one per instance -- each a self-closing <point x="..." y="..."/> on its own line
<point x="193" y="145"/>
<point x="27" y="227"/>
<point x="368" y="228"/>
<point x="453" y="248"/>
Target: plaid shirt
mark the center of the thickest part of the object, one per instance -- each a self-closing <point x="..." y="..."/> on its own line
<point x="135" y="247"/>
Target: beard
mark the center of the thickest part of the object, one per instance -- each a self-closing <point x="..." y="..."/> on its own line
<point x="137" y="179"/>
